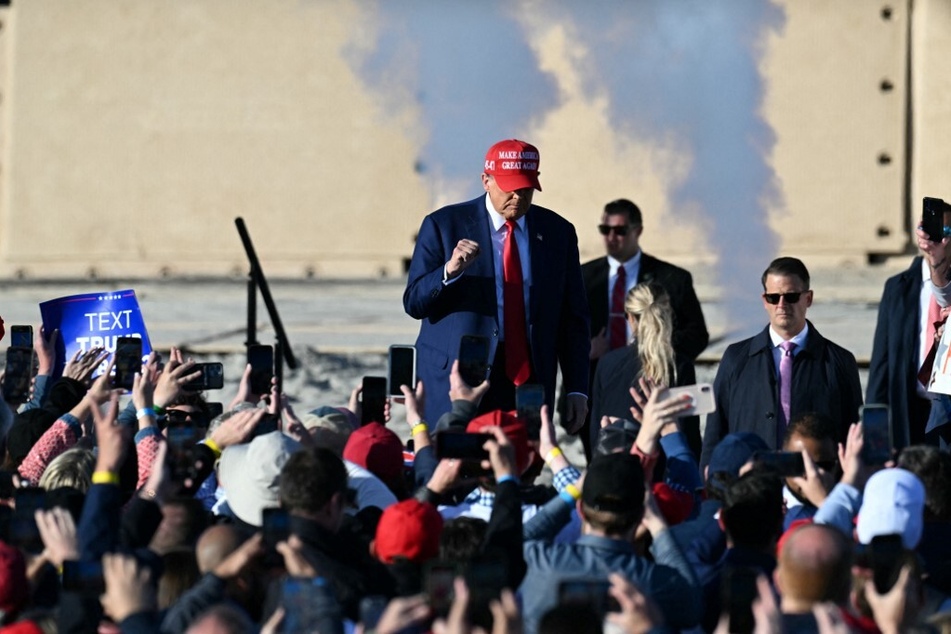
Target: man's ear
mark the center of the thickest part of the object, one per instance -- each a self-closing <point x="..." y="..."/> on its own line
<point x="373" y="549"/>
<point x="580" y="511"/>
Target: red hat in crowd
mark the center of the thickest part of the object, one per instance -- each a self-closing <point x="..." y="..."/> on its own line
<point x="409" y="529"/>
<point x="674" y="505"/>
<point x="514" y="430"/>
<point x="378" y="450"/>
<point x="513" y="164"/>
<point x="14" y="587"/>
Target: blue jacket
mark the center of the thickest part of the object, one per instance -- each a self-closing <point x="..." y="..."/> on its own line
<point x="825" y="381"/>
<point x="557" y="320"/>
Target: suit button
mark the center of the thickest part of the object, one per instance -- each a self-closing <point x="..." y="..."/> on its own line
<point x="495" y="333"/>
<point x="770" y="416"/>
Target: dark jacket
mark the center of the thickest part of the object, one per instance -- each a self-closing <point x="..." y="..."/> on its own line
<point x="893" y="371"/>
<point x="825" y="381"/>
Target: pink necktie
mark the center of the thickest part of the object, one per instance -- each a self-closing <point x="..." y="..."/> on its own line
<point x="618" y="322"/>
<point x="785" y="378"/>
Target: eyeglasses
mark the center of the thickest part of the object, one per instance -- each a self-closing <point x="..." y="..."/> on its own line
<point x="791" y="298"/>
<point x="179" y="417"/>
<point x="620" y="230"/>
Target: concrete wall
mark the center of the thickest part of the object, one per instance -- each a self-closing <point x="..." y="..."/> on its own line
<point x="133" y="133"/>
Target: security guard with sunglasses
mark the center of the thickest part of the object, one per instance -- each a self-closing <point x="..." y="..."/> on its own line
<point x="787" y="369"/>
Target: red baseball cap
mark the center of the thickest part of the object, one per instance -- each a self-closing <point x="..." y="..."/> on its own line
<point x="513" y="164"/>
<point x="409" y="529"/>
<point x="514" y="429"/>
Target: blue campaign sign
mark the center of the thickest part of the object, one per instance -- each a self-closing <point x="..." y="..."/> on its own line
<point x="93" y="320"/>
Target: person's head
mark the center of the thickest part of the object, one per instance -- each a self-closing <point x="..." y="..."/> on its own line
<point x="73" y="468"/>
<point x="648" y="310"/>
<point x="786" y="295"/>
<point x="752" y="513"/>
<point x="380" y="451"/>
<point x="893" y="503"/>
<point x="188" y="408"/>
<point x="409" y="530"/>
<point x="933" y="468"/>
<point x="514" y="430"/>
<point x="621" y="225"/>
<point x="815" y="566"/>
<point x="250" y="474"/>
<point x="731" y="453"/>
<point x="461" y="539"/>
<point x="612" y="496"/>
<point x="180" y="573"/>
<point x="816" y="434"/>
<point x="183" y="521"/>
<point x="510" y="176"/>
<point x="329" y="428"/>
<point x="223" y="618"/>
<point x="215" y="544"/>
<point x="313" y="484"/>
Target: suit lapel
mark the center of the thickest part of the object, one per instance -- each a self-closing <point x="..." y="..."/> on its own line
<point x="538" y="264"/>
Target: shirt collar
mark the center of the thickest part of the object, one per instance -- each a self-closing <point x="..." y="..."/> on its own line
<point x="481" y="497"/>
<point x="799" y="340"/>
<point x="497" y="220"/>
<point x="925" y="271"/>
<point x="629" y="267"/>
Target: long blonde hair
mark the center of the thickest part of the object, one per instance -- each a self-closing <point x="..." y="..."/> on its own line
<point x="650" y="305"/>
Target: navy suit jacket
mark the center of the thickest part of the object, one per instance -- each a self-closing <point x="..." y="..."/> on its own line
<point x="557" y="319"/>
<point x="893" y="371"/>
<point x="825" y="381"/>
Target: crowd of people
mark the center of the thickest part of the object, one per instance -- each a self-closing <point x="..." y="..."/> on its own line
<point x="140" y="511"/>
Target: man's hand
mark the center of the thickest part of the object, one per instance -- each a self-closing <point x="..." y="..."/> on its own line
<point x="176" y="374"/>
<point x="938" y="256"/>
<point x="638" y="612"/>
<point x="810" y="485"/>
<point x="462" y="257"/>
<point x="600" y="345"/>
<point x="459" y="390"/>
<point x="110" y="437"/>
<point x="576" y="408"/>
<point x="58" y="531"/>
<point x="657" y="413"/>
<point x="292" y="425"/>
<point x="83" y="364"/>
<point x="854" y="471"/>
<point x="653" y="519"/>
<point x="445" y="476"/>
<point x="296" y="558"/>
<point x="895" y="609"/>
<point x="129" y="589"/>
<point x="501" y="454"/>
<point x="415" y="402"/>
<point x="235" y="563"/>
<point x="142" y="389"/>
<point x="45" y="348"/>
<point x="236" y="429"/>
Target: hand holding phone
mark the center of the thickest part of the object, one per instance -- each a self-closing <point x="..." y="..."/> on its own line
<point x="463" y="446"/>
<point x="932" y="218"/>
<point x="529" y="399"/>
<point x="261" y="359"/>
<point x="876" y="434"/>
<point x="18" y="375"/>
<point x="701" y="395"/>
<point x="212" y="377"/>
<point x="128" y="362"/>
<point x="402" y="369"/>
<point x="473" y="359"/>
<point x="373" y="400"/>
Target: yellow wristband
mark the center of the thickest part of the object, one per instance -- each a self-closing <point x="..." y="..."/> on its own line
<point x="573" y="491"/>
<point x="215" y="449"/>
<point x="105" y="477"/>
<point x="551" y="455"/>
<point x="420" y="428"/>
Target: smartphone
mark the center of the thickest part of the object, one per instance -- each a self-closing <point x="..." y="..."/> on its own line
<point x="214" y="409"/>
<point x="786" y="464"/>
<point x="18" y="374"/>
<point x="876" y="434"/>
<point x="21" y="336"/>
<point x="529" y="399"/>
<point x="212" y="377"/>
<point x="301" y="611"/>
<point x="373" y="397"/>
<point x="128" y="361"/>
<point x="439" y="584"/>
<point x="886" y="556"/>
<point x="739" y="591"/>
<point x="701" y="395"/>
<point x="84" y="577"/>
<point x="932" y="217"/>
<point x="275" y="526"/>
<point x="261" y="359"/>
<point x="23" y="532"/>
<point x="588" y="592"/>
<point x="402" y="367"/>
<point x="473" y="359"/>
<point x="451" y="444"/>
<point x="182" y="456"/>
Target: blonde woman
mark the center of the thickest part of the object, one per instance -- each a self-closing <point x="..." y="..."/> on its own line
<point x="649" y="354"/>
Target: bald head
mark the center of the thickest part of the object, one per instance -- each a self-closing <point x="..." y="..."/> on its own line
<point x="215" y="544"/>
<point x="815" y="565"/>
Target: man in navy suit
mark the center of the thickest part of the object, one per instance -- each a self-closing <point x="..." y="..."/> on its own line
<point x="463" y="280"/>
<point x="749" y="387"/>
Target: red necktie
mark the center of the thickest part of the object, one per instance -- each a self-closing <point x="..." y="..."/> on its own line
<point x="517" y="367"/>
<point x="618" y="322"/>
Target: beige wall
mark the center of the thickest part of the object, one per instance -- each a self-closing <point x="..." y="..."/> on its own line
<point x="133" y="133"/>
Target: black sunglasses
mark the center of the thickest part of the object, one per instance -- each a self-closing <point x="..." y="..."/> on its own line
<point x="620" y="230"/>
<point x="791" y="298"/>
<point x="179" y="417"/>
